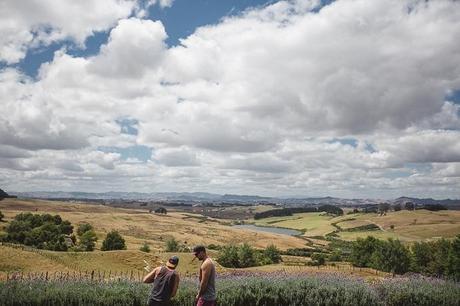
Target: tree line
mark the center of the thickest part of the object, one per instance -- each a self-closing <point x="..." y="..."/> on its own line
<point x="289" y="211"/>
<point x="440" y="258"/>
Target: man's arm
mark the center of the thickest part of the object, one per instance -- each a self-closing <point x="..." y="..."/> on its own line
<point x="175" y="285"/>
<point x="151" y="276"/>
<point x="205" y="274"/>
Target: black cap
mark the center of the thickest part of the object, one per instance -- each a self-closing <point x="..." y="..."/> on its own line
<point x="173" y="261"/>
<point x="199" y="248"/>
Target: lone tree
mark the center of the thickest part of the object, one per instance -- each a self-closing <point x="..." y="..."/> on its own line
<point x="1" y="216"/>
<point x="161" y="210"/>
<point x="409" y="206"/>
<point x="113" y="241"/>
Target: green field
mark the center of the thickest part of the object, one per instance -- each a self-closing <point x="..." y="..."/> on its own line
<point x="404" y="225"/>
<point x="312" y="224"/>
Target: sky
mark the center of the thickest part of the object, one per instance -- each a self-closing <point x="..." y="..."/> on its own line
<point x="345" y="98"/>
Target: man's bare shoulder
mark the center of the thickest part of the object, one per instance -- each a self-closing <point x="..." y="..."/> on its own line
<point x="207" y="263"/>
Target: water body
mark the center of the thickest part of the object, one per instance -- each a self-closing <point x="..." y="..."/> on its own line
<point x="269" y="229"/>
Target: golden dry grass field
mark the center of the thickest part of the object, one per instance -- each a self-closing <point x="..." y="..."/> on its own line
<point x="136" y="226"/>
<point x="139" y="226"/>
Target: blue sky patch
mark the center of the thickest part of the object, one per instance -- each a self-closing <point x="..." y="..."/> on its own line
<point x="454" y="97"/>
<point x="370" y="148"/>
<point x="181" y="19"/>
<point x="323" y="4"/>
<point x="345" y="141"/>
<point x="128" y="126"/>
<point x="142" y="153"/>
<point x="419" y="167"/>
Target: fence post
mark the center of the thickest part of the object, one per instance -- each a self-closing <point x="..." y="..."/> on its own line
<point x="46" y="276"/>
<point x="92" y="275"/>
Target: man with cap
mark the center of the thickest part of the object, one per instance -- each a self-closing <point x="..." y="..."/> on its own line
<point x="165" y="283"/>
<point x="207" y="293"/>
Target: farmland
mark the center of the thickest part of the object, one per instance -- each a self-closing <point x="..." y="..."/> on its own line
<point x="403" y="225"/>
<point x="118" y="273"/>
<point x="136" y="226"/>
<point x="139" y="226"/>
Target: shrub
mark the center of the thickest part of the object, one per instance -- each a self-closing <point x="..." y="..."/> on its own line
<point x="232" y="256"/>
<point x="272" y="253"/>
<point x="318" y="259"/>
<point x="228" y="256"/>
<point x="335" y="256"/>
<point x="246" y="256"/>
<point x="84" y="227"/>
<point x="145" y="248"/>
<point x="172" y="245"/>
<point x="88" y="240"/>
<point x="161" y="210"/>
<point x="1" y="216"/>
<point x="113" y="241"/>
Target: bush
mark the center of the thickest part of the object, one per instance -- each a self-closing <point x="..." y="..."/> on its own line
<point x="172" y="245"/>
<point x="246" y="256"/>
<point x="304" y="252"/>
<point x="335" y="256"/>
<point x="1" y="216"/>
<point x="84" y="227"/>
<point x="145" y="248"/>
<point x="113" y="241"/>
<point x="228" y="256"/>
<point x="88" y="241"/>
<point x="318" y="259"/>
<point x="243" y="256"/>
<point x="272" y="253"/>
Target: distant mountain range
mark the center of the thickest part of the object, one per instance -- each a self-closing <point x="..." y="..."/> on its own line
<point x="204" y="197"/>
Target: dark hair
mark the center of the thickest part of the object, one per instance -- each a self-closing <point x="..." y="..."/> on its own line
<point x="199" y="248"/>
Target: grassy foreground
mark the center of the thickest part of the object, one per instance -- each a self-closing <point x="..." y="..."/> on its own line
<point x="242" y="289"/>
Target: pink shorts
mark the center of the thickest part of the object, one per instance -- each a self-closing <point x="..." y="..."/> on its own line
<point x="202" y="302"/>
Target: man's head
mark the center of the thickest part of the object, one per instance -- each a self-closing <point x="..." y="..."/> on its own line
<point x="200" y="252"/>
<point x="173" y="261"/>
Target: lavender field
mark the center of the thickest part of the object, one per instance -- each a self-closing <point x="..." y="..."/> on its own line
<point x="243" y="289"/>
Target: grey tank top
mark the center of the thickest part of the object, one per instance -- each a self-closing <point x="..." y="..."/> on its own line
<point x="210" y="293"/>
<point x="162" y="285"/>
